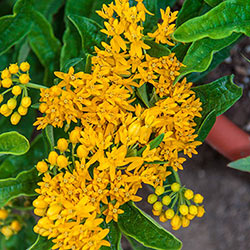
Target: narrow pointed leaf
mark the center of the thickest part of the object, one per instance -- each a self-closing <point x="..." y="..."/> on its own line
<point x="241" y="164"/>
<point x="138" y="225"/>
<point x="213" y="3"/>
<point x="228" y="17"/>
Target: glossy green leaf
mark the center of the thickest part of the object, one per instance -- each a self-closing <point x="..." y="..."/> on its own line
<point x="190" y="9"/>
<point x="180" y="50"/>
<point x="41" y="243"/>
<point x="88" y="66"/>
<point x="163" y="4"/>
<point x="157" y="50"/>
<point x="24" y="184"/>
<point x="45" y="45"/>
<point x="228" y="17"/>
<point x="13" y="28"/>
<point x="113" y="237"/>
<point x="13" y="143"/>
<point x="241" y="164"/>
<point x="213" y="3"/>
<point x="48" y="7"/>
<point x="206" y="126"/>
<point x="71" y="63"/>
<point x="219" y="95"/>
<point x="136" y="245"/>
<point x="200" y="54"/>
<point x="142" y="94"/>
<point x="138" y="225"/>
<point x="89" y="31"/>
<point x="49" y="133"/>
<point x="11" y="165"/>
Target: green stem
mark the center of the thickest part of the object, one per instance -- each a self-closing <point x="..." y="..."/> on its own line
<point x="35" y="86"/>
<point x="177" y="178"/>
<point x="6" y="91"/>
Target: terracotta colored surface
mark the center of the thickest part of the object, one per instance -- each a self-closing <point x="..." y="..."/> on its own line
<point x="228" y="139"/>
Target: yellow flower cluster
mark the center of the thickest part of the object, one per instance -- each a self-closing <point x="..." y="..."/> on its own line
<point x="113" y="151"/>
<point x="14" y="79"/>
<point x="174" y="203"/>
<point x="8" y="227"/>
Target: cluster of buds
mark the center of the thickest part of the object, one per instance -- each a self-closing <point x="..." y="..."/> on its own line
<point x="177" y="204"/>
<point x="15" y="80"/>
<point x="8" y="226"/>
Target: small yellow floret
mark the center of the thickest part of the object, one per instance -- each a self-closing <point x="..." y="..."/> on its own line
<point x="74" y="136"/>
<point x="3" y="214"/>
<point x="24" y="78"/>
<point x="62" y="161"/>
<point x="198" y="198"/>
<point x="52" y="158"/>
<point x="157" y="206"/>
<point x="26" y="102"/>
<point x="159" y="190"/>
<point x="6" y="231"/>
<point x="169" y="213"/>
<point x="62" y="144"/>
<point x="15" y="225"/>
<point x="185" y="222"/>
<point x="22" y="110"/>
<point x="11" y="103"/>
<point x="13" y="68"/>
<point x="189" y="194"/>
<point x="166" y="200"/>
<point x="16" y="90"/>
<point x="40" y="203"/>
<point x="6" y="83"/>
<point x="175" y="187"/>
<point x="5" y="74"/>
<point x="183" y="209"/>
<point x="193" y="210"/>
<point x="42" y="167"/>
<point x="201" y="211"/>
<point x="15" y="118"/>
<point x="24" y="66"/>
<point x="152" y="198"/>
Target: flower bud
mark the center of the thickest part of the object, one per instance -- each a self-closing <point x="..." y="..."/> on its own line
<point x="134" y="129"/>
<point x="156" y="213"/>
<point x="166" y="200"/>
<point x="40" y="211"/>
<point x="26" y="102"/>
<point x="198" y="198"/>
<point x="175" y="187"/>
<point x="159" y="190"/>
<point x="5" y="74"/>
<point x="24" y="66"/>
<point x="43" y="107"/>
<point x="189" y="194"/>
<point x="157" y="206"/>
<point x="6" y="83"/>
<point x="185" y="222"/>
<point x="169" y="213"/>
<point x="193" y="210"/>
<point x="176" y="222"/>
<point x="39" y="203"/>
<point x="6" y="231"/>
<point x="11" y="103"/>
<point x="81" y="152"/>
<point x="62" y="161"/>
<point x="13" y="68"/>
<point x="22" y="110"/>
<point x="54" y="210"/>
<point x="1" y="98"/>
<point x="3" y="214"/>
<point x="24" y="78"/>
<point x="15" y="225"/>
<point x="183" y="209"/>
<point x="152" y="198"/>
<point x="16" y="90"/>
<point x="52" y="158"/>
<point x="15" y="118"/>
<point x="201" y="211"/>
<point x="62" y="144"/>
<point x="42" y="167"/>
<point x="190" y="216"/>
<point x="162" y="217"/>
<point x="74" y="136"/>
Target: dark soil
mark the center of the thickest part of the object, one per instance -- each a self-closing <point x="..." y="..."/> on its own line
<point x="226" y="224"/>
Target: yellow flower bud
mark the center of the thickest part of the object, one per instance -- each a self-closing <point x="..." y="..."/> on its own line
<point x="169" y="213"/>
<point x="190" y="216"/>
<point x="16" y="90"/>
<point x="6" y="83"/>
<point x="44" y="222"/>
<point x="193" y="210"/>
<point x="11" y="103"/>
<point x="62" y="161"/>
<point x="166" y="200"/>
<point x="40" y="211"/>
<point x="176" y="222"/>
<point x="24" y="66"/>
<point x="62" y="144"/>
<point x="26" y="102"/>
<point x="134" y="129"/>
<point x="36" y="229"/>
<point x="39" y="203"/>
<point x="54" y="210"/>
<point x="3" y="214"/>
<point x="52" y="158"/>
<point x="198" y="198"/>
<point x="15" y="225"/>
<point x="6" y="231"/>
<point x="175" y="187"/>
<point x="156" y="213"/>
<point x="42" y="167"/>
<point x="1" y="98"/>
<point x="81" y="152"/>
<point x="74" y="136"/>
<point x="201" y="211"/>
<point x="162" y="217"/>
<point x="22" y="110"/>
<point x="5" y="74"/>
<point x="159" y="190"/>
<point x="157" y="206"/>
<point x="15" y="118"/>
<point x="189" y="194"/>
<point x="24" y="78"/>
<point x="43" y="107"/>
<point x="13" y="68"/>
<point x="185" y="222"/>
<point x="152" y="198"/>
<point x="183" y="209"/>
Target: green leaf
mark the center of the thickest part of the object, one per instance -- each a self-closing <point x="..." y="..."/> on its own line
<point x="88" y="64"/>
<point x="13" y="143"/>
<point x="71" y="63"/>
<point x="13" y="28"/>
<point x="142" y="94"/>
<point x="89" y="31"/>
<point x="206" y="126"/>
<point x="213" y="3"/>
<point x="45" y="45"/>
<point x="41" y="243"/>
<point x="241" y="164"/>
<point x="180" y="50"/>
<point x="23" y="52"/>
<point x="200" y="54"/>
<point x="157" y="50"/>
<point x="228" y="17"/>
<point x="48" y="7"/>
<point x="24" y="184"/>
<point x="50" y="136"/>
<point x="190" y="9"/>
<point x="136" y="245"/>
<point x="219" y="96"/>
<point x="136" y="224"/>
<point x="113" y="237"/>
<point x="163" y="4"/>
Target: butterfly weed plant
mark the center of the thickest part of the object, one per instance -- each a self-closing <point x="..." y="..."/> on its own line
<point x="94" y="111"/>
